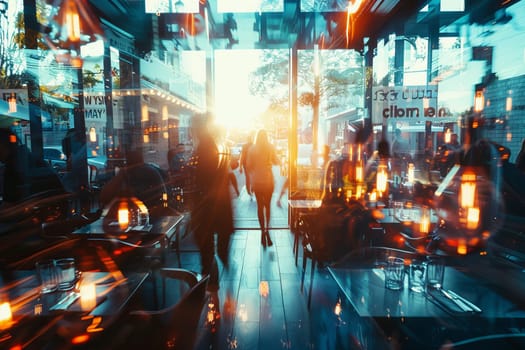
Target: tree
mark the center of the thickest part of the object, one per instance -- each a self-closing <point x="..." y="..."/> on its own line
<point x="341" y="82"/>
<point x="11" y="62"/>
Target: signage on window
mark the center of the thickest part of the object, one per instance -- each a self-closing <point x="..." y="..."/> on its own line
<point x="408" y="104"/>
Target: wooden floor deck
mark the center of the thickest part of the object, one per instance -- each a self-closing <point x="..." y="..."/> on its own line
<point x="260" y="301"/>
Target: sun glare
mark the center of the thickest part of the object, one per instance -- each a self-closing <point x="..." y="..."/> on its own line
<point x="235" y="107"/>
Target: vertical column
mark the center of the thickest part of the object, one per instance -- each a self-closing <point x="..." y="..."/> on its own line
<point x="292" y="131"/>
<point x="108" y="91"/>
<point x="370" y="48"/>
<point x="210" y="81"/>
<point x="315" y="106"/>
<point x="79" y="164"/>
<point x="33" y="85"/>
<point x="433" y="46"/>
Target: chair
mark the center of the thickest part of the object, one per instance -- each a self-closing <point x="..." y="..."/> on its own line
<point x="309" y="252"/>
<point x="173" y="325"/>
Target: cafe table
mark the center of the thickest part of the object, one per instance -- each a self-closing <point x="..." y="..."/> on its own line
<point x="300" y="207"/>
<point x="424" y="318"/>
<point x="154" y="239"/>
<point x="63" y="319"/>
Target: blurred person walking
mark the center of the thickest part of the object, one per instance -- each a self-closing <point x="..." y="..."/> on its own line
<point x="212" y="213"/>
<point x="261" y="157"/>
<point x="244" y="164"/>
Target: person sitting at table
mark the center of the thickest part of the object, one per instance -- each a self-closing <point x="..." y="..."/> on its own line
<point x="141" y="180"/>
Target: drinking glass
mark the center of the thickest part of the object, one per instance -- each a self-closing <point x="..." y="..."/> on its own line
<point x="416" y="276"/>
<point x="435" y="273"/>
<point x="66" y="273"/>
<point x="395" y="273"/>
<point x="47" y="275"/>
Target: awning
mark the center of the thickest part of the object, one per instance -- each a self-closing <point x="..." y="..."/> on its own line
<point x="50" y="100"/>
<point x="22" y="112"/>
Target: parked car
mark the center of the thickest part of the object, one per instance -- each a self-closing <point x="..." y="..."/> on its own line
<point x="55" y="157"/>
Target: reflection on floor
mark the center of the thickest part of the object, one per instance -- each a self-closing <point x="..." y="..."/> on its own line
<point x="260" y="302"/>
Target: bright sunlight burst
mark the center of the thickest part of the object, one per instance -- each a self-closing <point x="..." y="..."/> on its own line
<point x="235" y="108"/>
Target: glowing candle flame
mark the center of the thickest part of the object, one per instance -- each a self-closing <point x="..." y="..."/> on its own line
<point x="448" y="136"/>
<point x="472" y="218"/>
<point x="424" y="223"/>
<point x="462" y="247"/>
<point x="381" y="179"/>
<point x="359" y="172"/>
<point x="123" y="215"/>
<point x="6" y="316"/>
<point x="468" y="190"/>
<point x="88" y="296"/>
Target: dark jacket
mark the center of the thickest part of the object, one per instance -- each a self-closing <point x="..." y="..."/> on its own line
<point x="213" y="211"/>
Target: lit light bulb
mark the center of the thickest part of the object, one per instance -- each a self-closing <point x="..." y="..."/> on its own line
<point x="6" y="316"/>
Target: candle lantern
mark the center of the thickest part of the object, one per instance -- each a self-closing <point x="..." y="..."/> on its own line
<point x="382" y="179"/>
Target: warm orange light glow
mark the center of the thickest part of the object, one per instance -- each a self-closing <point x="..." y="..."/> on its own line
<point x="448" y="135"/>
<point x="472" y="218"/>
<point x="338" y="309"/>
<point x="359" y="172"/>
<point x="92" y="134"/>
<point x="145" y="113"/>
<point x="146" y="138"/>
<point x="72" y="25"/>
<point x="382" y="178"/>
<point x="479" y="101"/>
<point x="410" y="172"/>
<point x="12" y="104"/>
<point x="123" y="215"/>
<point x="358" y="191"/>
<point x="88" y="296"/>
<point x="6" y="316"/>
<point x="424" y="221"/>
<point x="164" y="112"/>
<point x="12" y="138"/>
<point x="508" y="104"/>
<point x="468" y="190"/>
<point x="264" y="289"/>
<point x="462" y="247"/>
<point x="353" y="7"/>
<point x="210" y="315"/>
<point x="80" y="339"/>
<point x="373" y="196"/>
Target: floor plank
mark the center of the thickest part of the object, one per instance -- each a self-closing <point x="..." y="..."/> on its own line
<point x="273" y="314"/>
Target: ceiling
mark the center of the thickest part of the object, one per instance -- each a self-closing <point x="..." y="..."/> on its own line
<point x="329" y="28"/>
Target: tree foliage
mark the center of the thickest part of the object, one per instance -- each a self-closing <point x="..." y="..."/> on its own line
<point x="341" y="82"/>
<point x="340" y="79"/>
